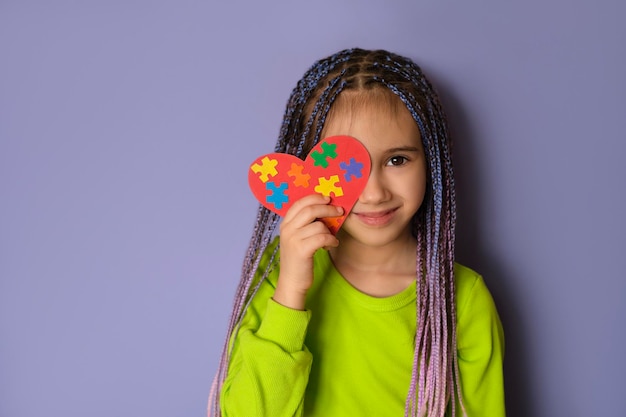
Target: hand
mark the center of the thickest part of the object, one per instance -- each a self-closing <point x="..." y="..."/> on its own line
<point x="301" y="235"/>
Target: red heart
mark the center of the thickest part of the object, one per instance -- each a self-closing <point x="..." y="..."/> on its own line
<point x="337" y="166"/>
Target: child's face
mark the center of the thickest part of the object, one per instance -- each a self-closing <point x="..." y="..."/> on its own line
<point x="397" y="183"/>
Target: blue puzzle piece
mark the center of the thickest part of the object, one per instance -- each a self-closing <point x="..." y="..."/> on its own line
<point x="278" y="197"/>
<point x="353" y="169"/>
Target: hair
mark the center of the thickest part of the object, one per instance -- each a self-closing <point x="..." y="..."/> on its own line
<point x="435" y="382"/>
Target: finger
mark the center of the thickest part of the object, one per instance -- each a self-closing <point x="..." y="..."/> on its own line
<point x="310" y="214"/>
<point x="314" y="228"/>
<point x="310" y="209"/>
<point x="306" y="201"/>
<point x="311" y="244"/>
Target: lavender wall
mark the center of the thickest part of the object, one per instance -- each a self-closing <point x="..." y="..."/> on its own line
<point x="126" y="128"/>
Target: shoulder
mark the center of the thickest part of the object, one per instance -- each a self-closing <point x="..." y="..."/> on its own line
<point x="471" y="291"/>
<point x="465" y="279"/>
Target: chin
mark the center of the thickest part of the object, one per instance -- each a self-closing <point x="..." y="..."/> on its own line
<point x="373" y="237"/>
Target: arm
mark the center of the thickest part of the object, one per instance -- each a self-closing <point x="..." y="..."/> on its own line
<point x="480" y="345"/>
<point x="269" y="366"/>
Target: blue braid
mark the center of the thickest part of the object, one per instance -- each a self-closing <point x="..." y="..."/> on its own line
<point x="321" y="102"/>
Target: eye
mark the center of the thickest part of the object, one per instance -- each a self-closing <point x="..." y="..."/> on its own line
<point x="397" y="160"/>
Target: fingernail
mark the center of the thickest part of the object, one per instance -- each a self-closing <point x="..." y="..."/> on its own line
<point x="339" y="209"/>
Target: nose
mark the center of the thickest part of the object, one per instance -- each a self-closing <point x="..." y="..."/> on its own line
<point x="375" y="191"/>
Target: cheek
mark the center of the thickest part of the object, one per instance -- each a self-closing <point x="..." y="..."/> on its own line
<point x="417" y="179"/>
<point x="417" y="188"/>
<point x="421" y="194"/>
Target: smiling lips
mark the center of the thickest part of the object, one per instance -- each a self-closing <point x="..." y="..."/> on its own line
<point x="376" y="218"/>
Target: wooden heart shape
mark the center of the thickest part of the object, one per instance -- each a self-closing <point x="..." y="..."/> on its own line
<point x="337" y="166"/>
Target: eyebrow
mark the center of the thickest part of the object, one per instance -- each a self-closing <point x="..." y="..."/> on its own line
<point x="403" y="149"/>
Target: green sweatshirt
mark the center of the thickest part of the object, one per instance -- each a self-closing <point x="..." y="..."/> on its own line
<point x="350" y="354"/>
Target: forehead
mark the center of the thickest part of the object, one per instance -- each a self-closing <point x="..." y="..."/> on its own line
<point x="377" y="117"/>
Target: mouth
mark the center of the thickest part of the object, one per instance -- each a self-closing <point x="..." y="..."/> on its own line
<point x="376" y="218"/>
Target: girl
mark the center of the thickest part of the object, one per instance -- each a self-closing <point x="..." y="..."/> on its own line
<point x="377" y="320"/>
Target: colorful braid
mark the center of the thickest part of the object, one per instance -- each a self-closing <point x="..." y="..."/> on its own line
<point x="435" y="377"/>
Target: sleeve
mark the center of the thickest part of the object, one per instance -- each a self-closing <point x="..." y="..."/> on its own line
<point x="269" y="366"/>
<point x="480" y="344"/>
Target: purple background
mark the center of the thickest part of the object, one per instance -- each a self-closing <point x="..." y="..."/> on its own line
<point x="126" y="129"/>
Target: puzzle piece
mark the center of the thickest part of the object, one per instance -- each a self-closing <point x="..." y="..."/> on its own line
<point x="327" y="186"/>
<point x="352" y="169"/>
<point x="333" y="223"/>
<point x="278" y="196"/>
<point x="320" y="158"/>
<point x="266" y="169"/>
<point x="299" y="179"/>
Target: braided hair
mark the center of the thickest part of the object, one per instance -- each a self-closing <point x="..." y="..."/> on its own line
<point x="435" y="377"/>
